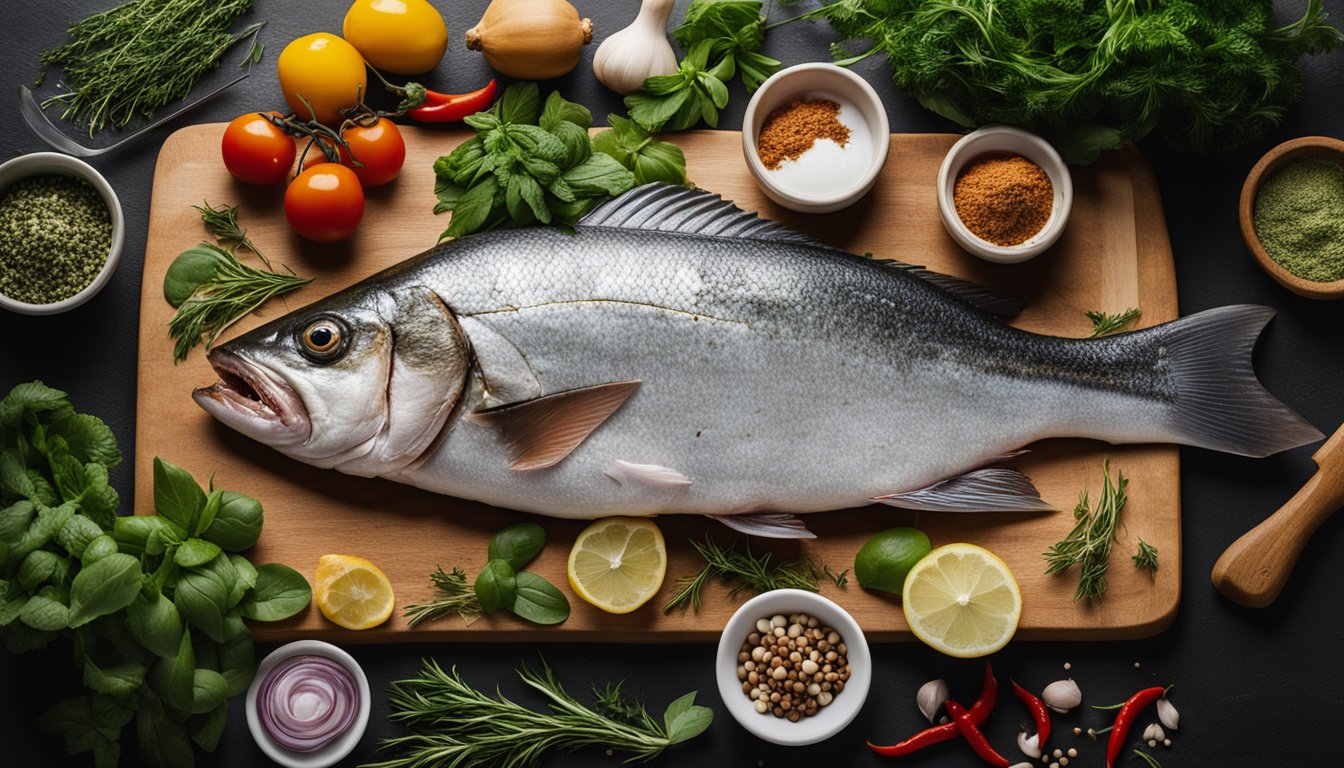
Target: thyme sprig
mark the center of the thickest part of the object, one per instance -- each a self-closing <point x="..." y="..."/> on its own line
<point x="1146" y="558"/>
<point x="1088" y="545"/>
<point x="222" y="222"/>
<point x="1104" y="324"/>
<point x="754" y="573"/>
<point x="453" y="725"/>
<point x="455" y="597"/>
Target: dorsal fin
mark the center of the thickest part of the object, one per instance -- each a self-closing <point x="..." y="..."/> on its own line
<point x="985" y="299"/>
<point x="668" y="208"/>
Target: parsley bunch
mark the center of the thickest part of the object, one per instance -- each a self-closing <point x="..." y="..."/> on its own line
<point x="1092" y="75"/>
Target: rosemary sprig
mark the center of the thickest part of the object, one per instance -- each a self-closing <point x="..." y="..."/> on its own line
<point x="753" y="572"/>
<point x="222" y="222"/>
<point x="1146" y="557"/>
<point x="141" y="55"/>
<point x="1088" y="545"/>
<point x="456" y="596"/>
<point x="235" y="290"/>
<point x="453" y="725"/>
<point x="1104" y="324"/>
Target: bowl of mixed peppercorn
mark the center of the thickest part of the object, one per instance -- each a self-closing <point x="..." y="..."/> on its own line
<point x="61" y="232"/>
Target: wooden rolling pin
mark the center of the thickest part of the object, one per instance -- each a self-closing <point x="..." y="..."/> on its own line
<point x="1254" y="569"/>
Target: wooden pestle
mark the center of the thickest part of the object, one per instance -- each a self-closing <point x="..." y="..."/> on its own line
<point x="1254" y="569"/>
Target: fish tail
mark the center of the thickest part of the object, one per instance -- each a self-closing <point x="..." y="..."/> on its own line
<point x="1219" y="402"/>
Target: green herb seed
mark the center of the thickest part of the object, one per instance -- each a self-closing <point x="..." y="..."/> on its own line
<point x="1299" y="218"/>
<point x="55" y="237"/>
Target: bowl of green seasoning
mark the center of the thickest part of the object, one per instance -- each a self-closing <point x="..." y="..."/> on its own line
<point x="1292" y="215"/>
<point x="61" y="232"/>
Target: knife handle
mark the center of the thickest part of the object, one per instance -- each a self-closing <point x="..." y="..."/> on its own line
<point x="1254" y="569"/>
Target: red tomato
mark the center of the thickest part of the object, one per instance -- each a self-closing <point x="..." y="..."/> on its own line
<point x="325" y="203"/>
<point x="379" y="147"/>
<point x="255" y="151"/>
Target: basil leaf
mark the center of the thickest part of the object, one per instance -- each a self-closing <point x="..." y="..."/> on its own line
<point x="237" y="523"/>
<point x="206" y="729"/>
<point x="238" y="662"/>
<point x="659" y="161"/>
<point x="155" y="624"/>
<point x="98" y="549"/>
<point x="45" y="614"/>
<point x="560" y="110"/>
<point x="9" y="611"/>
<point x="538" y="601"/>
<point x="200" y="598"/>
<point x="518" y="544"/>
<point x="280" y="593"/>
<point x="104" y="587"/>
<point x="652" y="112"/>
<point x="599" y="176"/>
<point x="496" y="586"/>
<point x="89" y="724"/>
<point x="536" y="142"/>
<point x="99" y="501"/>
<point x="246" y="578"/>
<point x="120" y="680"/>
<point x="76" y="534"/>
<point x="190" y="270"/>
<point x="173" y="678"/>
<point x="14" y="519"/>
<point x="36" y="569"/>
<point x="88" y="439"/>
<point x="682" y="720"/>
<point x="69" y="476"/>
<point x="195" y="552"/>
<point x="177" y="497"/>
<point x="208" y="512"/>
<point x="132" y="532"/>
<point x="473" y="208"/>
<point x="163" y="740"/>
<point x="14" y="476"/>
<point x="208" y="691"/>
<point x="521" y="103"/>
<point x="49" y="521"/>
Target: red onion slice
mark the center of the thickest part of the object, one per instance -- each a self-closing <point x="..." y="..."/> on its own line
<point x="307" y="702"/>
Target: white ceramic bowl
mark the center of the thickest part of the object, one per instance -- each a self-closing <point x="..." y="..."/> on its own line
<point x="816" y="81"/>
<point x="336" y="750"/>
<point x="39" y="163"/>
<point x="1000" y="139"/>
<point x="831" y="719"/>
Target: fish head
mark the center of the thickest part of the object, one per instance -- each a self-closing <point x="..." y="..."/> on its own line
<point x="363" y="381"/>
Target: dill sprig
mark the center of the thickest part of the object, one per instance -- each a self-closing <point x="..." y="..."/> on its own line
<point x="456" y="596"/>
<point x="1146" y="558"/>
<point x="1104" y="324"/>
<point x="453" y="725"/>
<point x="136" y="57"/>
<point x="222" y="222"/>
<point x="1088" y="545"/>
<point x="754" y="573"/>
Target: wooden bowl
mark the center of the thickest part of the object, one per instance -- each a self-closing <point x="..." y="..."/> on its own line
<point x="1319" y="147"/>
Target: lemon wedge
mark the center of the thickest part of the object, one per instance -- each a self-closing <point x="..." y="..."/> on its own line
<point x="353" y="592"/>
<point x="618" y="563"/>
<point x="962" y="600"/>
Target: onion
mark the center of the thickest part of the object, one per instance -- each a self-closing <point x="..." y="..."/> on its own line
<point x="307" y="702"/>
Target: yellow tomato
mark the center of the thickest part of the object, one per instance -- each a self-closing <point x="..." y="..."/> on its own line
<point x="402" y="36"/>
<point x="326" y="71"/>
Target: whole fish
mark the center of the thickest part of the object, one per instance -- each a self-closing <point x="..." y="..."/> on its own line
<point x="677" y="355"/>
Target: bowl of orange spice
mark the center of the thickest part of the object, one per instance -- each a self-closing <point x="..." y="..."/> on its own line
<point x="1004" y="194"/>
<point x="815" y="137"/>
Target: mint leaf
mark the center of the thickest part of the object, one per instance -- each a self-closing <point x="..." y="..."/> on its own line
<point x="683" y="720"/>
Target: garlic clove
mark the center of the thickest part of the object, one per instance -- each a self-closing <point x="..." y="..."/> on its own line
<point x="1030" y="745"/>
<point x="1062" y="695"/>
<point x="1024" y="765"/>
<point x="1154" y="733"/>
<point x="1166" y="712"/>
<point x="630" y="56"/>
<point x="931" y="698"/>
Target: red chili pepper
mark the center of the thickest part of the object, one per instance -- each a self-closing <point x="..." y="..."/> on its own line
<point x="962" y="719"/>
<point x="1039" y="713"/>
<point x="447" y="107"/>
<point x="1124" y="720"/>
<point x="979" y="712"/>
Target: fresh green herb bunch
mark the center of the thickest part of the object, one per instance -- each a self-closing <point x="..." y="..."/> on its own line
<point x="526" y="165"/>
<point x="1088" y="545"/>
<point x="754" y="573"/>
<point x="1105" y="324"/>
<point x="456" y="726"/>
<point x="1091" y="75"/>
<point x="133" y="58"/>
<point x="154" y="604"/>
<point x="649" y="159"/>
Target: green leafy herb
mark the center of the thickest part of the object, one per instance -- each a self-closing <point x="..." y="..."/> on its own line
<point x="1092" y="76"/>
<point x="496" y="586"/>
<point x="453" y="724"/>
<point x="538" y="601"/>
<point x="754" y="573"/>
<point x="456" y="596"/>
<point x="1104" y="324"/>
<point x="526" y="165"/>
<point x="649" y="159"/>
<point x="736" y="28"/>
<point x="518" y="544"/>
<point x="1088" y="545"/>
<point x="222" y="222"/>
<point x="1146" y="557"/>
<point x="1148" y="759"/>
<point x="500" y="584"/>
<point x="136" y="57"/>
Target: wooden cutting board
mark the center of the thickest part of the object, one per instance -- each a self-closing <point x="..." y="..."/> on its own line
<point x="1115" y="254"/>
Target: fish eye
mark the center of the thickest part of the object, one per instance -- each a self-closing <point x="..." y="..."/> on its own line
<point x="324" y="340"/>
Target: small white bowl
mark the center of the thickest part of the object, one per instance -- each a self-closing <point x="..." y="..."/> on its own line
<point x="335" y="751"/>
<point x="995" y="140"/>
<point x="816" y="81"/>
<point x="831" y="719"/>
<point x="40" y="163"/>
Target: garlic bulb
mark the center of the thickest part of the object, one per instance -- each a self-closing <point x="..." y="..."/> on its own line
<point x="627" y="58"/>
<point x="1166" y="712"/>
<point x="1153" y="734"/>
<point x="1062" y="695"/>
<point x="931" y="698"/>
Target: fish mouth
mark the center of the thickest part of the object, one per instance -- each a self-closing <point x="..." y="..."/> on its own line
<point x="250" y="400"/>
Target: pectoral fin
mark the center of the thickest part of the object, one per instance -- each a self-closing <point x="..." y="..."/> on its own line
<point x="993" y="489"/>
<point x="769" y="525"/>
<point x="541" y="432"/>
<point x="650" y="475"/>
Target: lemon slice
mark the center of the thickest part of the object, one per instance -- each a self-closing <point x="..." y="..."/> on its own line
<point x="617" y="564"/>
<point x="352" y="592"/>
<point x="962" y="600"/>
